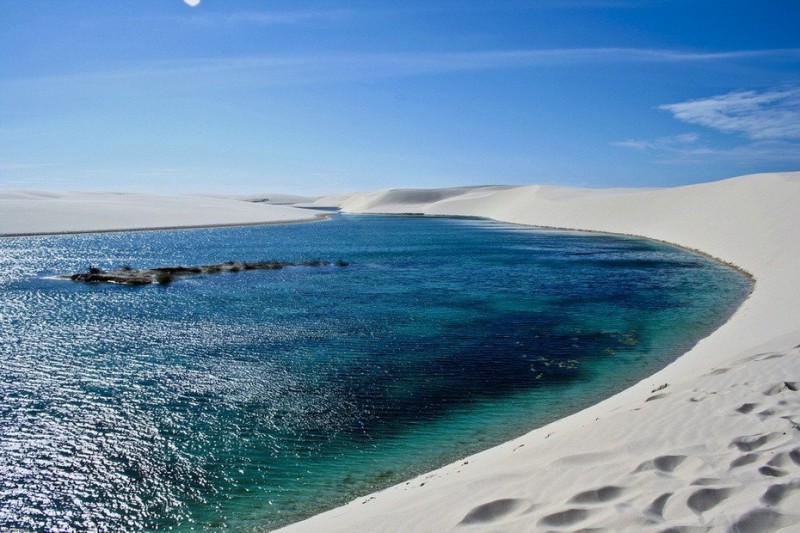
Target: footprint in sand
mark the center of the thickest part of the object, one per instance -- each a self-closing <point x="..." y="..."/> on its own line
<point x="784" y="386"/>
<point x="775" y="494"/>
<point x="781" y="460"/>
<point x="759" y="357"/>
<point x="753" y="442"/>
<point x="656" y="509"/>
<point x="656" y="397"/>
<point x="794" y="455"/>
<point x="566" y="518"/>
<point x="601" y="495"/>
<point x="766" y="413"/>
<point x="777" y="355"/>
<point x="496" y="510"/>
<point x="771" y="471"/>
<point x="743" y="460"/>
<point x="746" y="408"/>
<point x="718" y="371"/>
<point x="663" y="463"/>
<point x="760" y="520"/>
<point x="586" y="458"/>
<point x="704" y="499"/>
<point x="706" y="481"/>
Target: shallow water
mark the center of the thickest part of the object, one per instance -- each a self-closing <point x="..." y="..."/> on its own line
<point x="253" y="399"/>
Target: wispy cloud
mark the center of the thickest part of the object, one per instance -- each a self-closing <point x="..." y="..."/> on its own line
<point x="769" y="120"/>
<point x="660" y="143"/>
<point x="26" y="166"/>
<point x="322" y="67"/>
<point x="28" y="181"/>
<point x="702" y="152"/>
<point x="761" y="152"/>
<point x="271" y="18"/>
<point x="766" y="115"/>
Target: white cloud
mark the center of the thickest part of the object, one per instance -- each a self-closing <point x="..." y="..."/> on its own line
<point x="760" y="116"/>
<point x="659" y="143"/>
<point x="759" y="152"/>
<point x="770" y="120"/>
<point x="698" y="153"/>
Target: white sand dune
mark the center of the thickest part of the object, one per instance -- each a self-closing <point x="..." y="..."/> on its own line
<point x="710" y="442"/>
<point x="411" y="201"/>
<point x="37" y="212"/>
<point x="267" y="198"/>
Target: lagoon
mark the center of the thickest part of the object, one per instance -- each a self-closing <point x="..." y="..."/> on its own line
<point x="258" y="398"/>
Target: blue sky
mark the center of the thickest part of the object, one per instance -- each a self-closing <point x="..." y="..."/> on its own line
<point x="321" y="97"/>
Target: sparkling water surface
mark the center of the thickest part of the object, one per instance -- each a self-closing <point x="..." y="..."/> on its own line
<point x="249" y="400"/>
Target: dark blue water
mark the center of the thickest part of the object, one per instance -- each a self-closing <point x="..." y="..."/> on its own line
<point x="254" y="399"/>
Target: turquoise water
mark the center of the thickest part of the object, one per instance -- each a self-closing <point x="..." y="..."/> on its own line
<point x="254" y="399"/>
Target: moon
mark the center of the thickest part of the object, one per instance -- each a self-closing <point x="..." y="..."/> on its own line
<point x="192" y="3"/>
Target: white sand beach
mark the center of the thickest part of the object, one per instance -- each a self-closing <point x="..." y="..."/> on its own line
<point x="711" y="442"/>
<point x="37" y="212"/>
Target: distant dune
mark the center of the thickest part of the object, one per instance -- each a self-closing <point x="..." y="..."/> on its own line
<point x="36" y="212"/>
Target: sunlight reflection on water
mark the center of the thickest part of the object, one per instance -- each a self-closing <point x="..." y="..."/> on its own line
<point x="198" y="403"/>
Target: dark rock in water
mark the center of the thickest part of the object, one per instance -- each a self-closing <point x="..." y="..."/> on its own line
<point x="126" y="275"/>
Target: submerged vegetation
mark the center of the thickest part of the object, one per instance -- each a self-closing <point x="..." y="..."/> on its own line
<point x="128" y="275"/>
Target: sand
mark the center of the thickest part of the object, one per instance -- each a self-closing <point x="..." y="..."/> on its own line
<point x="710" y="442"/>
<point x="37" y="212"/>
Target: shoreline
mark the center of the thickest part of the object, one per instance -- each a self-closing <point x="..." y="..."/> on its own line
<point x="712" y="440"/>
<point x="316" y="218"/>
<point x="597" y="232"/>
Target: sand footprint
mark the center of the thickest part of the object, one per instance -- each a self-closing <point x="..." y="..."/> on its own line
<point x="776" y="355"/>
<point x="567" y="518"/>
<point x="663" y="463"/>
<point x="784" y="386"/>
<point x="766" y="413"/>
<point x="655" y="511"/>
<point x="775" y="494"/>
<point x="760" y="520"/>
<point x="759" y="357"/>
<point x="794" y="455"/>
<point x="753" y="442"/>
<point x="704" y="499"/>
<point x="586" y="458"/>
<point x="595" y="496"/>
<point x="657" y="397"/>
<point x="746" y="408"/>
<point x="746" y="459"/>
<point x="771" y="471"/>
<point x="706" y="481"/>
<point x="782" y="459"/>
<point x="496" y="510"/>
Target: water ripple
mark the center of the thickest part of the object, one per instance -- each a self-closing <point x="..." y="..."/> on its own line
<point x="249" y="400"/>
